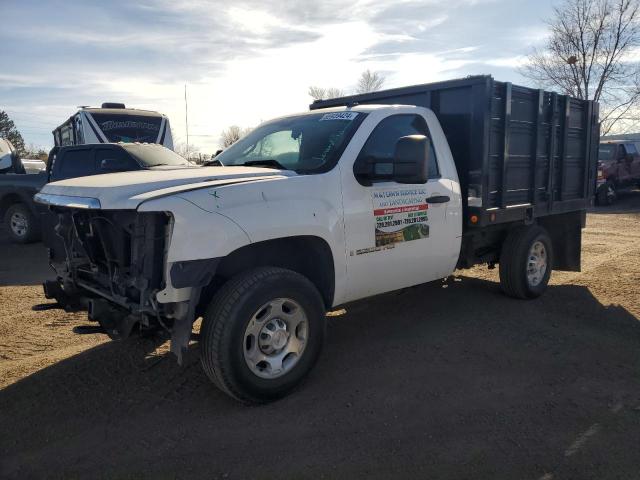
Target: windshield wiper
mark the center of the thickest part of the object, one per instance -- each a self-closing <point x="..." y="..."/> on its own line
<point x="266" y="162"/>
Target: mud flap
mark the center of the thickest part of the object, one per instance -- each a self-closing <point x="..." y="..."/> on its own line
<point x="182" y="327"/>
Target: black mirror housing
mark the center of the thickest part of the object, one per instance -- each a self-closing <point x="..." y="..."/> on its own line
<point x="411" y="159"/>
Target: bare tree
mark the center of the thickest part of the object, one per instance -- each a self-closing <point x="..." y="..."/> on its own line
<point x="321" y="93"/>
<point x="190" y="152"/>
<point x="589" y="55"/>
<point x="231" y="135"/>
<point x="369" y="82"/>
<point x="35" y="152"/>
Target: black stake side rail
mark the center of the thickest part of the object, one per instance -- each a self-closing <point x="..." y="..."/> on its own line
<point x="520" y="152"/>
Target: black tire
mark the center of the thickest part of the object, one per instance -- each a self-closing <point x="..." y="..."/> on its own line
<point x="514" y="260"/>
<point x="606" y="195"/>
<point x="222" y="338"/>
<point x="28" y="230"/>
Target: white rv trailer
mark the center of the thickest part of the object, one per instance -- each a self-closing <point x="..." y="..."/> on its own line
<point x="112" y="123"/>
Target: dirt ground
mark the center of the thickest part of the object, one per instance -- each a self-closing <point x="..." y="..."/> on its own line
<point x="446" y="380"/>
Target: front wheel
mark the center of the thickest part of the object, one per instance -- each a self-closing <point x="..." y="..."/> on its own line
<point x="525" y="262"/>
<point x="21" y="224"/>
<point x="262" y="334"/>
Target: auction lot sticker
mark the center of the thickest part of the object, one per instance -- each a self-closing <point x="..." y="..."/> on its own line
<point x="400" y="216"/>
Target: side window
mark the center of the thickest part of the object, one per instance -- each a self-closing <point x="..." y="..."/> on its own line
<point x="622" y="152"/>
<point x="124" y="160"/>
<point x="66" y="135"/>
<point x="380" y="146"/>
<point x="72" y="164"/>
<point x="631" y="148"/>
<point x="79" y="131"/>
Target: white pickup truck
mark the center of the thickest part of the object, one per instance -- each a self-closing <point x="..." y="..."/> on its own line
<point x="319" y="209"/>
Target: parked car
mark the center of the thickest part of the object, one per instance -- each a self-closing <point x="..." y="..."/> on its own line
<point x="17" y="188"/>
<point x="360" y="196"/>
<point x="21" y="214"/>
<point x="618" y="167"/>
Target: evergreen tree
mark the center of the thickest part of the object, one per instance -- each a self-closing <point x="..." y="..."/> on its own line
<point x="9" y="131"/>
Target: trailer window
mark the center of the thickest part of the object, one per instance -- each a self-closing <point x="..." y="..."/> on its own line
<point x="606" y="152"/>
<point x="66" y="135"/>
<point x="381" y="144"/>
<point x="128" y="128"/>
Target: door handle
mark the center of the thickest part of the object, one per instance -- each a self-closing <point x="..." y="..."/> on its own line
<point x="438" y="199"/>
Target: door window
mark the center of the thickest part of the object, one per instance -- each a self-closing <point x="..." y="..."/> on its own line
<point x="74" y="163"/>
<point x="115" y="154"/>
<point x="380" y="146"/>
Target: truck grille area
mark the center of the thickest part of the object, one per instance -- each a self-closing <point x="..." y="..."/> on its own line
<point x="115" y="254"/>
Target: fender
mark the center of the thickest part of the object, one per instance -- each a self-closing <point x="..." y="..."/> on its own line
<point x="278" y="207"/>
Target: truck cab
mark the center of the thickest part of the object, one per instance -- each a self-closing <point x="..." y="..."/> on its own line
<point x="618" y="167"/>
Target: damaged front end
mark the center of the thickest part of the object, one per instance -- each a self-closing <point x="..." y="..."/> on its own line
<point x="112" y="262"/>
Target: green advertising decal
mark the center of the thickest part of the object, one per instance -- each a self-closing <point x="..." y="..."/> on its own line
<point x="400" y="216"/>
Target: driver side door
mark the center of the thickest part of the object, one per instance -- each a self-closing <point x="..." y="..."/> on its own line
<point x="397" y="235"/>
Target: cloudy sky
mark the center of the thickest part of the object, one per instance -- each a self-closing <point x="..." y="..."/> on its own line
<point x="242" y="61"/>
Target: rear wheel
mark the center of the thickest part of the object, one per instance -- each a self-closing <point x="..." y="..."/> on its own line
<point x="525" y="262"/>
<point x="21" y="224"/>
<point x="607" y="194"/>
<point x="262" y="334"/>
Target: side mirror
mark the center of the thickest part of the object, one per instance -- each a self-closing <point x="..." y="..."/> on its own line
<point x="5" y="162"/>
<point x="411" y="159"/>
<point x="114" y="165"/>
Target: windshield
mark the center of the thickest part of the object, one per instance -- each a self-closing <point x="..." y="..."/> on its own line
<point x="606" y="152"/>
<point x="305" y="143"/>
<point x="128" y="128"/>
<point x="155" y="155"/>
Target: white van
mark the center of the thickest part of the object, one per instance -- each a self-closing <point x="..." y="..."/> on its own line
<point x="112" y="123"/>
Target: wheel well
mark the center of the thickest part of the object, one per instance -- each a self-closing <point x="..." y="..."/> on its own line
<point x="7" y="201"/>
<point x="308" y="255"/>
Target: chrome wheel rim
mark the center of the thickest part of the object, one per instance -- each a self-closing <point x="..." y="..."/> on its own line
<point x="275" y="338"/>
<point x="536" y="263"/>
<point x="19" y="224"/>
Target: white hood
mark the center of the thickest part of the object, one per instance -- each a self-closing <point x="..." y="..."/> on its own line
<point x="126" y="190"/>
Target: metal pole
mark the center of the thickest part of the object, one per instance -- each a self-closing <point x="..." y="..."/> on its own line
<point x="186" y="116"/>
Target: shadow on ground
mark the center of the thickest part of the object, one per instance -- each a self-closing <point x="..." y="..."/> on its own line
<point x="22" y="264"/>
<point x="446" y="380"/>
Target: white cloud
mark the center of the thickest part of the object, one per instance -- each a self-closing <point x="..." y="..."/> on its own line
<point x="252" y="20"/>
<point x="249" y="60"/>
<point x="512" y="62"/>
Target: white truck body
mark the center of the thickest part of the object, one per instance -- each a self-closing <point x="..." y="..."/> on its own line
<point x="315" y="210"/>
<point x="216" y="210"/>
